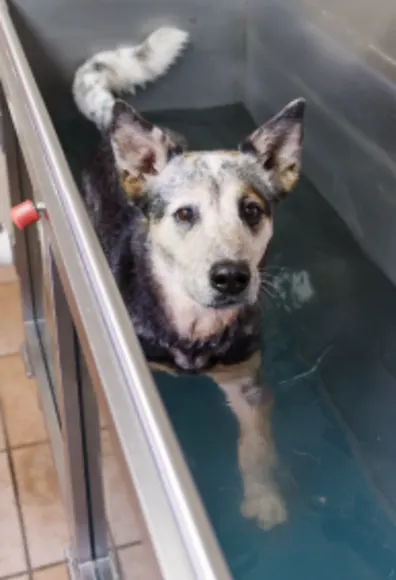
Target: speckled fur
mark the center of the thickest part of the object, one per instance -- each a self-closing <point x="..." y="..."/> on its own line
<point x="124" y="69"/>
<point x="121" y="229"/>
<point x="132" y="189"/>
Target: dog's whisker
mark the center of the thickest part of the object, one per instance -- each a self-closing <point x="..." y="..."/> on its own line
<point x="267" y="275"/>
<point x="270" y="283"/>
<point x="278" y="268"/>
<point x="267" y="292"/>
<point x="264" y="302"/>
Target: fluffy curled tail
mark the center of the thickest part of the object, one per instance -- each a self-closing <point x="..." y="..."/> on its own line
<point x="123" y="69"/>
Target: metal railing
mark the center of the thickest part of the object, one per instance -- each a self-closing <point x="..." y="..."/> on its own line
<point x="83" y="300"/>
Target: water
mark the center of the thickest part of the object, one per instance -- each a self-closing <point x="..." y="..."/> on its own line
<point x="329" y="340"/>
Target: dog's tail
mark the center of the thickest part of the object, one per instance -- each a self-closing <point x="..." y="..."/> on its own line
<point x="122" y="70"/>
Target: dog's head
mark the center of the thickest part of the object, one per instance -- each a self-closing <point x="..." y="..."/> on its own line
<point x="209" y="214"/>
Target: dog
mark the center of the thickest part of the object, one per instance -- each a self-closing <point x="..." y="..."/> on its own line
<point x="186" y="236"/>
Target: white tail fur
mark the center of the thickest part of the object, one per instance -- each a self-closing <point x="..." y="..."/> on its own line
<point x="122" y="70"/>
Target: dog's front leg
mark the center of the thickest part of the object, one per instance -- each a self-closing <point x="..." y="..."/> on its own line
<point x="251" y="402"/>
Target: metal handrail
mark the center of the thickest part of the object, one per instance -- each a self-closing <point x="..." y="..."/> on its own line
<point x="183" y="539"/>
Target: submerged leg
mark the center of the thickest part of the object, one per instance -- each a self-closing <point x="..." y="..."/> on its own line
<point x="251" y="402"/>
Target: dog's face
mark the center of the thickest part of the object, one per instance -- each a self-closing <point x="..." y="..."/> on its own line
<point x="209" y="214"/>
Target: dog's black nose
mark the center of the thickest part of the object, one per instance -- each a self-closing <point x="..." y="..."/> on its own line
<point x="230" y="277"/>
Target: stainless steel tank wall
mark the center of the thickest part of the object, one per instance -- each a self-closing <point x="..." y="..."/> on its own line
<point x="59" y="34"/>
<point x="340" y="55"/>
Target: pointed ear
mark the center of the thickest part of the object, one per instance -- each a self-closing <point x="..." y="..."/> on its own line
<point x="278" y="144"/>
<point x="140" y="148"/>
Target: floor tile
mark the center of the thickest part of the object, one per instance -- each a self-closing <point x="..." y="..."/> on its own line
<point x="122" y="508"/>
<point x="11" y="336"/>
<point x="53" y="573"/>
<point x="8" y="274"/>
<point x="138" y="563"/>
<point x="2" y="438"/>
<point x="22" y="414"/>
<point x="12" y="557"/>
<point x="42" y="509"/>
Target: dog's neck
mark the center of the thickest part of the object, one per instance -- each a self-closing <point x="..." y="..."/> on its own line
<point x="189" y="319"/>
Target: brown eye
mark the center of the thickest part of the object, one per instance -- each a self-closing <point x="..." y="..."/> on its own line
<point x="251" y="212"/>
<point x="185" y="215"/>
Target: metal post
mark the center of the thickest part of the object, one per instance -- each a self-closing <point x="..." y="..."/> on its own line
<point x="89" y="554"/>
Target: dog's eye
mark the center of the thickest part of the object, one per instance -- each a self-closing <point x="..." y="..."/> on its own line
<point x="251" y="212"/>
<point x="185" y="214"/>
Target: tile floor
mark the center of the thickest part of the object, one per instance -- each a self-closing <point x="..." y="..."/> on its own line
<point x="33" y="523"/>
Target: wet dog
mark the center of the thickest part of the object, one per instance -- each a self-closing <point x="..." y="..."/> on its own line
<point x="185" y="235"/>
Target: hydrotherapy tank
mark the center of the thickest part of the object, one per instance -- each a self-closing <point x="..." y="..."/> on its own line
<point x="329" y="325"/>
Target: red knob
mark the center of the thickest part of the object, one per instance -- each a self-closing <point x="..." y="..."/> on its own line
<point x="24" y="214"/>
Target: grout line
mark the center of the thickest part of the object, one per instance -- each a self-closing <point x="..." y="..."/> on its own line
<point x="4" y="355"/>
<point x="14" y="576"/>
<point x="38" y="569"/>
<point x="8" y="445"/>
<point x="28" y="445"/>
<point x="119" y="549"/>
<point x="123" y="547"/>
<point x="16" y="495"/>
<point x="129" y="545"/>
<point x="113" y="552"/>
<point x="16" y="354"/>
<point x="48" y="566"/>
<point x="12" y="354"/>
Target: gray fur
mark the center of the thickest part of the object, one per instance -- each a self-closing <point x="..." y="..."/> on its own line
<point x="113" y="72"/>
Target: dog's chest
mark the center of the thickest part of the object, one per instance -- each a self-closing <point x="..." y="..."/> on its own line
<point x="234" y="345"/>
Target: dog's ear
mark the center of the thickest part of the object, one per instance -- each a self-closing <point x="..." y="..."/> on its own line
<point x="278" y="145"/>
<point x="140" y="148"/>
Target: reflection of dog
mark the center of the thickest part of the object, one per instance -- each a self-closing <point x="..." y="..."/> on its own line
<point x="185" y="235"/>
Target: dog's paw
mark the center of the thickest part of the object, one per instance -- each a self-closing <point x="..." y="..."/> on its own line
<point x="265" y="505"/>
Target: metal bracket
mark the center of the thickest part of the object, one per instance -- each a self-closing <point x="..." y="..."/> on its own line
<point x="102" y="569"/>
<point x="27" y="361"/>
